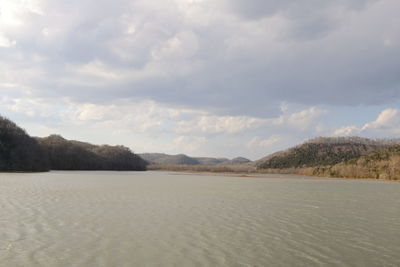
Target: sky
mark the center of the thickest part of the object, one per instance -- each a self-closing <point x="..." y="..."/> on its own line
<point x="220" y="78"/>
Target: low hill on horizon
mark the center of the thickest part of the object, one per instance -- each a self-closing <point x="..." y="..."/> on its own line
<point x="181" y="159"/>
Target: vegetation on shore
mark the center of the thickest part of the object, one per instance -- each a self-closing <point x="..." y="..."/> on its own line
<point x="322" y="152"/>
<point x="75" y="155"/>
<point x="384" y="164"/>
<point x="347" y="157"/>
<point x="244" y="168"/>
<point x="21" y="153"/>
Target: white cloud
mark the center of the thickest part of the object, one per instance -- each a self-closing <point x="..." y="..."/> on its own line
<point x="270" y="141"/>
<point x="346" y="131"/>
<point x="171" y="129"/>
<point x="191" y="144"/>
<point x="97" y="69"/>
<point x="388" y="119"/>
<point x="32" y="107"/>
<point x="257" y="142"/>
<point x="387" y="124"/>
<point x="301" y="120"/>
<point x="210" y="124"/>
<point x="123" y="116"/>
<point x="181" y="46"/>
<point x="12" y="12"/>
<point x="5" y="42"/>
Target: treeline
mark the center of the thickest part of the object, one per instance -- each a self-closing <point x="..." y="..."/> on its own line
<point x="384" y="164"/>
<point x="321" y="152"/>
<point x="20" y="152"/>
<point x="74" y="155"/>
<point x="338" y="157"/>
<point x="204" y="168"/>
<point x="355" y="140"/>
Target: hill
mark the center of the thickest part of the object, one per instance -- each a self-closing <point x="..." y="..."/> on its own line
<point x="18" y="151"/>
<point x="181" y="159"/>
<point x="21" y="153"/>
<point x="384" y="164"/>
<point x="237" y="161"/>
<point x="75" y="155"/>
<point x="324" y="151"/>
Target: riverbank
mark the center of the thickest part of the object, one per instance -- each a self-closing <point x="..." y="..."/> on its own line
<point x="251" y="171"/>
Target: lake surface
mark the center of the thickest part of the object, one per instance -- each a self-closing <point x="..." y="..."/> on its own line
<point x="169" y="219"/>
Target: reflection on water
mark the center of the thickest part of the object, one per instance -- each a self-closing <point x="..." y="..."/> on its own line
<point x="166" y="219"/>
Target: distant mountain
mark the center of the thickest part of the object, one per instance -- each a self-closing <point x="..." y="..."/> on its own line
<point x="324" y="151"/>
<point x="236" y="161"/>
<point x="165" y="159"/>
<point x="211" y="161"/>
<point x="75" y="155"/>
<point x="19" y="151"/>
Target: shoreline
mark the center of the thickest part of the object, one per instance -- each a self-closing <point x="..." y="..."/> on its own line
<point x="264" y="175"/>
<point x="241" y="174"/>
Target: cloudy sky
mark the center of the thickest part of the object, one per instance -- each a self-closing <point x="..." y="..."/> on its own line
<point x="201" y="77"/>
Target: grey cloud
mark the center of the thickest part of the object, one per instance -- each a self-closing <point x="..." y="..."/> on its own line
<point x="225" y="65"/>
<point x="308" y="19"/>
<point x="256" y="9"/>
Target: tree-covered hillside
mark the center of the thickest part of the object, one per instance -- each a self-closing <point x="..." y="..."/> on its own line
<point x="19" y="151"/>
<point x="322" y="152"/>
<point x="75" y="155"/>
<point x="384" y="164"/>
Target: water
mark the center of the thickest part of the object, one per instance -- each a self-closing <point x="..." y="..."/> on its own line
<point x="167" y="219"/>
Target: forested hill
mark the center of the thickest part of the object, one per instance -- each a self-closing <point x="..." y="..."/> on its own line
<point x="324" y="151"/>
<point x="19" y="151"/>
<point x="384" y="164"/>
<point x="74" y="155"/>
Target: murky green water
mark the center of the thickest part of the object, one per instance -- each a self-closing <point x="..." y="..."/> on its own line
<point x="165" y="219"/>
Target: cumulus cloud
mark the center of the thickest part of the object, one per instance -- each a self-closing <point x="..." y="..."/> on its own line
<point x="257" y="142"/>
<point x="387" y="124"/>
<point x="211" y="124"/>
<point x="347" y="131"/>
<point x="125" y="116"/>
<point x="187" y="143"/>
<point x="300" y="120"/>
<point x="150" y="126"/>
<point x="5" y="42"/>
<point x="387" y="119"/>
